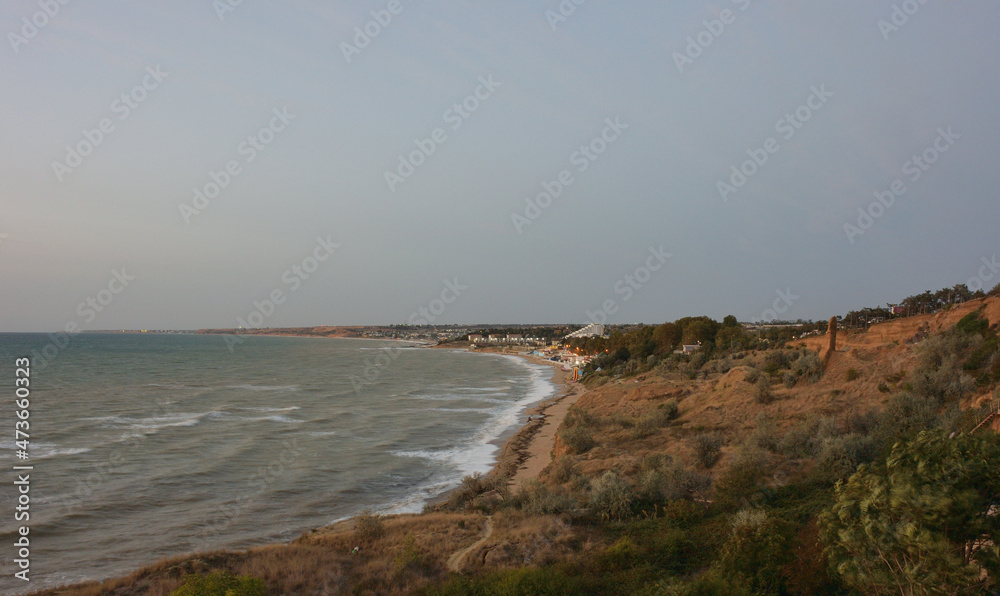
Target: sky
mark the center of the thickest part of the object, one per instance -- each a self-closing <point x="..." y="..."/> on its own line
<point x="202" y="163"/>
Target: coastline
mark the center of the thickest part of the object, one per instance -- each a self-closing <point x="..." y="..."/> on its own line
<point x="527" y="451"/>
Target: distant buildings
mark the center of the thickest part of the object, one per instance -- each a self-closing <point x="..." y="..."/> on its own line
<point x="592" y="330"/>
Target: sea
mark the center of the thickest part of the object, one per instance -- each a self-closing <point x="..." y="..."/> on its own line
<point x="145" y="446"/>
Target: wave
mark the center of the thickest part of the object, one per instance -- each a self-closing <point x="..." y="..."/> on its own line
<point x="44" y="450"/>
<point x="154" y="423"/>
<point x="265" y="387"/>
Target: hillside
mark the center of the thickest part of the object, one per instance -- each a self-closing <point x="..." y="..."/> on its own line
<point x="705" y="475"/>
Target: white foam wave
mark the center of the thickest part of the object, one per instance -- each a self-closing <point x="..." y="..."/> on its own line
<point x="155" y="423"/>
<point x="266" y="387"/>
<point x="44" y="450"/>
<point x="269" y="409"/>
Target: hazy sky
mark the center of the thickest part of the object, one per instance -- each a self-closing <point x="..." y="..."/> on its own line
<point x="639" y="122"/>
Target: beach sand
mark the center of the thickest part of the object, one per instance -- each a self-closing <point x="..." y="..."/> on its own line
<point x="528" y="451"/>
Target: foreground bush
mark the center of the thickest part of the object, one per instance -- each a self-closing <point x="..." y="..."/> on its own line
<point x="611" y="497"/>
<point x="922" y="522"/>
<point x="220" y="584"/>
<point x="368" y="526"/>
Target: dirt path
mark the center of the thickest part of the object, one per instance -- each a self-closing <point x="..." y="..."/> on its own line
<point x="456" y="560"/>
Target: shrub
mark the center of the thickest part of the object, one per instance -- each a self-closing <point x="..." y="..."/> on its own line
<point x="764" y="434"/>
<point x="670" y="409"/>
<point x="220" y="584"/>
<point x="808" y="366"/>
<point x="563" y="469"/>
<point x="751" y="375"/>
<point x="646" y="426"/>
<point x="754" y="555"/>
<point x="468" y="494"/>
<point x="743" y="477"/>
<point x="368" y="526"/>
<point x="883" y="388"/>
<point x="707" y="448"/>
<point x="409" y="558"/>
<point x="804" y="438"/>
<point x="579" y="439"/>
<point x="920" y="522"/>
<point x="852" y="374"/>
<point x="840" y="456"/>
<point x="789" y="380"/>
<point x="764" y="395"/>
<point x="536" y="499"/>
<point x="611" y="497"/>
<point x="941" y="375"/>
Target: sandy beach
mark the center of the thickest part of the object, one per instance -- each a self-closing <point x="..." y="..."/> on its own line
<point x="529" y="450"/>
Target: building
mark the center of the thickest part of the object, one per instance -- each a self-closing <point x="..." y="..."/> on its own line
<point x="592" y="330"/>
<point x="476" y="339"/>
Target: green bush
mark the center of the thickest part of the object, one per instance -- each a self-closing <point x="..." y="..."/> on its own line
<point x="577" y="438"/>
<point x="707" y="447"/>
<point x="564" y="469"/>
<point x="535" y="498"/>
<point x="755" y="553"/>
<point x="513" y="582"/>
<point x="751" y="375"/>
<point x="670" y="409"/>
<point x="920" y="522"/>
<point x="368" y="526"/>
<point x="764" y="395"/>
<point x="742" y="478"/>
<point x="220" y="584"/>
<point x="852" y="374"/>
<point x="764" y="433"/>
<point x="789" y="379"/>
<point x="409" y="558"/>
<point x="808" y="366"/>
<point x="840" y="456"/>
<point x="611" y="497"/>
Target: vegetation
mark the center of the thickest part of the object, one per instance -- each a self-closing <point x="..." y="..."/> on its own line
<point x="744" y="469"/>
<point x="922" y="522"/>
<point x="220" y="584"/>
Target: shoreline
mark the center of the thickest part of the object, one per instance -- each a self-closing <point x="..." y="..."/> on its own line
<point x="527" y="451"/>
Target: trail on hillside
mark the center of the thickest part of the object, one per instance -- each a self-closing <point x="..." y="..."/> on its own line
<point x="456" y="560"/>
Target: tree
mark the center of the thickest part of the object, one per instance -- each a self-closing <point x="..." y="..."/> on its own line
<point x="922" y="522"/>
<point x="666" y="336"/>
